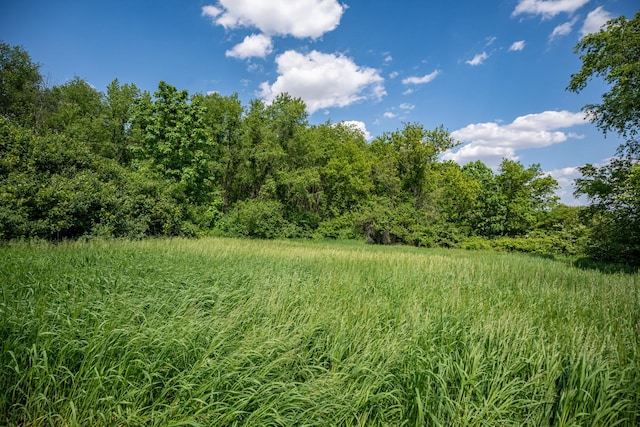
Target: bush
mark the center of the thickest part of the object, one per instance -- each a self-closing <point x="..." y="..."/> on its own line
<point x="258" y="218"/>
<point x="340" y="227"/>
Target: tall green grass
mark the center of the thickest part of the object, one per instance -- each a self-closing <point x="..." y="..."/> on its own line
<point x="222" y="332"/>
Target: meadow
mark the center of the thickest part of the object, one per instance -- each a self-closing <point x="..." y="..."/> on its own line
<point x="225" y="332"/>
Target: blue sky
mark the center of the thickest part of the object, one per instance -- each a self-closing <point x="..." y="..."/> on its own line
<point x="493" y="72"/>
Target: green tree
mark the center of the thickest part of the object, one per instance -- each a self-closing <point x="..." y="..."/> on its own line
<point x="526" y="193"/>
<point x="345" y="168"/>
<point x="457" y="193"/>
<point x="415" y="150"/>
<point x="613" y="53"/>
<point x="223" y="121"/>
<point x="487" y="215"/>
<point x="174" y="139"/>
<point x="120" y="104"/>
<point x="614" y="192"/>
<point x="264" y="154"/>
<point x="77" y="110"/>
<point x="20" y="85"/>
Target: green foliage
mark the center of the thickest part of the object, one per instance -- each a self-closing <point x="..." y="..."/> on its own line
<point x="613" y="53"/>
<point x="120" y="102"/>
<point x="524" y="192"/>
<point x="259" y="219"/>
<point x="340" y="227"/>
<point x="20" y="86"/>
<point x="174" y="139"/>
<point x="614" y="189"/>
<point x="131" y="164"/>
<point x="414" y="150"/>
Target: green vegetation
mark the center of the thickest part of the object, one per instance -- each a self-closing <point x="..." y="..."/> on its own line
<point x="76" y="163"/>
<point x="613" y="189"/>
<point x="249" y="332"/>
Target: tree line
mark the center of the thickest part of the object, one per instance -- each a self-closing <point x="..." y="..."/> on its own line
<point x="76" y="162"/>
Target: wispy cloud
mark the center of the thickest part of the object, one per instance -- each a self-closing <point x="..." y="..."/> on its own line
<point x="415" y="80"/>
<point x="517" y="46"/>
<point x="563" y="29"/>
<point x="547" y="8"/>
<point x="478" y="59"/>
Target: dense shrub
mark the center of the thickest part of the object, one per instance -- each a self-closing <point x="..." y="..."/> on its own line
<point x="258" y="218"/>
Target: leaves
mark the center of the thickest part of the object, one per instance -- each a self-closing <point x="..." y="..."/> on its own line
<point x="613" y="54"/>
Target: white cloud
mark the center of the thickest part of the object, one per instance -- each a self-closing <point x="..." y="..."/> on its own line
<point x="594" y="21"/>
<point x="389" y="115"/>
<point x="563" y="29"/>
<point x="298" y="18"/>
<point x="254" y="45"/>
<point x="408" y="91"/>
<point x="388" y="58"/>
<point x="478" y="59"/>
<point x="490" y="41"/>
<point x="548" y="120"/>
<point x="359" y="126"/>
<point x="211" y="11"/>
<point x="255" y="68"/>
<point x="323" y="80"/>
<point x="517" y="46"/>
<point x="407" y="106"/>
<point x="547" y="8"/>
<point x="393" y="75"/>
<point x="490" y="142"/>
<point x="420" y="80"/>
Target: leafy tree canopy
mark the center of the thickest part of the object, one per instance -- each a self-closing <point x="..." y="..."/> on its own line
<point x="613" y="53"/>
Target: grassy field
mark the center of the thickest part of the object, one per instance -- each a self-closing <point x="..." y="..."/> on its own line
<point x="222" y="332"/>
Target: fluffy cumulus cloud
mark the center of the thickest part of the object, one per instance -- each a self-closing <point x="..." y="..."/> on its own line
<point x="478" y="59"/>
<point x="547" y="8"/>
<point x="323" y="80"/>
<point x="517" y="46"/>
<point x="595" y="21"/>
<point x="253" y="45"/>
<point x="298" y="18"/>
<point x="490" y="142"/>
<point x="419" y="80"/>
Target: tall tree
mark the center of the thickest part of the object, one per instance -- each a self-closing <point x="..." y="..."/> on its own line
<point x="120" y="106"/>
<point x="415" y="150"/>
<point x="526" y="192"/>
<point x="223" y="121"/>
<point x="613" y="53"/>
<point x="175" y="140"/>
<point x="20" y="85"/>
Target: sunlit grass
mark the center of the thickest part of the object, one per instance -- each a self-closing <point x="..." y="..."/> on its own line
<point x="237" y="332"/>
